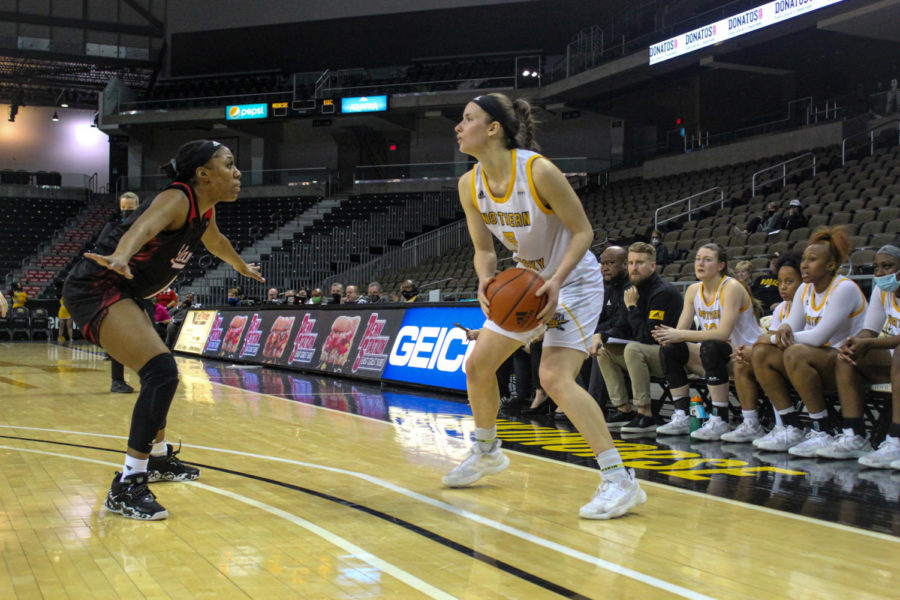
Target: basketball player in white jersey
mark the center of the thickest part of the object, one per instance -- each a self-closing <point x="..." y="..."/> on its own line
<point x="521" y="198"/>
<point x="724" y="308"/>
<point x="869" y="357"/>
<point x="826" y="310"/>
<point x="788" y="270"/>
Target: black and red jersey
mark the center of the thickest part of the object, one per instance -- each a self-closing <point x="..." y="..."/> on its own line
<point x="156" y="265"/>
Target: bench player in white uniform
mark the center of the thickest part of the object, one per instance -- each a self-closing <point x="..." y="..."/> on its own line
<point x="724" y="308"/>
<point x="525" y="201"/>
<point x="788" y="269"/>
<point x="826" y="310"/>
<point x="869" y="357"/>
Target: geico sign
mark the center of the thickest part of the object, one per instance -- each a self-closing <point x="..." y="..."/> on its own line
<point x="441" y="348"/>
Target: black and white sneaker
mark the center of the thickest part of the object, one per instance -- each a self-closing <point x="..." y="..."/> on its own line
<point x="120" y="387"/>
<point x="170" y="468"/>
<point x="640" y="424"/>
<point x="133" y="499"/>
<point x="617" y="419"/>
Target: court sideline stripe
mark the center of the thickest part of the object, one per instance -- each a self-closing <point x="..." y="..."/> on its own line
<point x="529" y="537"/>
<point x="471" y="552"/>
<point x="376" y="562"/>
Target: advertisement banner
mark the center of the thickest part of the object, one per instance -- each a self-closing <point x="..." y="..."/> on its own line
<point x="430" y="349"/>
<point x="195" y="331"/>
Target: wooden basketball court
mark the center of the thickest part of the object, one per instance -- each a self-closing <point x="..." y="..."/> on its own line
<point x="303" y="501"/>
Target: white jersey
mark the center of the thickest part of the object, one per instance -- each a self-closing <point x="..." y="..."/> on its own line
<point x="527" y="226"/>
<point x="883" y="314"/>
<point x="780" y="315"/>
<point x="746" y="328"/>
<point x="840" y="310"/>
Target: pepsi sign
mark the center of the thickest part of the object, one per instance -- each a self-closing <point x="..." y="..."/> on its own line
<point x="430" y="350"/>
<point x="237" y="112"/>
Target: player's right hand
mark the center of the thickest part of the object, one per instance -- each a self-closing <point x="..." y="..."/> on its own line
<point x="112" y="263"/>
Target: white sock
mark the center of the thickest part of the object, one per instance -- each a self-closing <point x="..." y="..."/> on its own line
<point x="133" y="465"/>
<point x="678" y="411"/>
<point x="778" y="422"/>
<point x="159" y="448"/>
<point x="485" y="437"/>
<point x="611" y="466"/>
<point x="751" y="417"/>
<point x="819" y="415"/>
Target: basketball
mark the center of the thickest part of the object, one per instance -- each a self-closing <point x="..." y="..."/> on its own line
<point x="514" y="306"/>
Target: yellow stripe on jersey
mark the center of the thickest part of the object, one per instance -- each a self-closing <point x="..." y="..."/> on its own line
<point x="587" y="346"/>
<point x="509" y="188"/>
<point x="537" y="199"/>
<point x="474" y="192"/>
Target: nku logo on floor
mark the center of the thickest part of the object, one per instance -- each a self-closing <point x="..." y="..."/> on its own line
<point x="237" y="112"/>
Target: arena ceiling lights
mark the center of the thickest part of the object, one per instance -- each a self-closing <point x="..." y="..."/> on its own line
<point x="734" y="26"/>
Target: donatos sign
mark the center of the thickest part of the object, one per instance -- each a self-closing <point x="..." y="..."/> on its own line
<point x="237" y="112"/>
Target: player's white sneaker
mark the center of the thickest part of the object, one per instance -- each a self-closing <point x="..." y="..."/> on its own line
<point x="887" y="452"/>
<point x="780" y="439"/>
<point x="711" y="430"/>
<point x="614" y="497"/>
<point x="679" y="424"/>
<point x="745" y="432"/>
<point x="846" y="444"/>
<point x="814" y="441"/>
<point x="476" y="465"/>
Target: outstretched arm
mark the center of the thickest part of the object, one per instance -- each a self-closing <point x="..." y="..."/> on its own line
<point x="220" y="247"/>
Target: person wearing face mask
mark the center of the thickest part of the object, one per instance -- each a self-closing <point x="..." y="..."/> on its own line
<point x="337" y="293"/>
<point x="869" y="357"/>
<point x="233" y="299"/>
<point x="128" y="203"/>
<point x="663" y="255"/>
<point x="409" y="291"/>
<point x="316" y="296"/>
<point x="769" y="221"/>
<point x="375" y="293"/>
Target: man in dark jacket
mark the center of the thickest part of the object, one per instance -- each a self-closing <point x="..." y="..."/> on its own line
<point x="628" y="346"/>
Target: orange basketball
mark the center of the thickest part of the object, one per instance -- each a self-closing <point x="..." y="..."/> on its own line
<point x="514" y="306"/>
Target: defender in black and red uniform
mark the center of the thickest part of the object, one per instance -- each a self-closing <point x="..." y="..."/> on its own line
<point x="137" y="259"/>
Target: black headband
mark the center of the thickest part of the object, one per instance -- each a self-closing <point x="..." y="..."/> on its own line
<point x="492" y="107"/>
<point x="198" y="156"/>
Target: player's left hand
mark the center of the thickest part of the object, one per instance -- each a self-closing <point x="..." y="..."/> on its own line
<point x="251" y="271"/>
<point x="111" y="262"/>
<point x="550" y="289"/>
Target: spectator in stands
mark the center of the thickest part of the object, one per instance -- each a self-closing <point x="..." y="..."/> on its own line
<point x="409" y="291"/>
<point x="892" y="100"/>
<point x="337" y="293"/>
<point x="272" y="296"/>
<point x="765" y="288"/>
<point x="647" y="302"/>
<point x="826" y="310"/>
<point x="866" y="358"/>
<point x="393" y="297"/>
<point x="742" y="271"/>
<point x="65" y="323"/>
<point x="663" y="255"/>
<point x="316" y="296"/>
<point x="351" y="296"/>
<point x="161" y="317"/>
<point x="795" y="218"/>
<point x="725" y="311"/>
<point x="178" y="316"/>
<point x="4" y="305"/>
<point x="789" y="278"/>
<point x="233" y="299"/>
<point x="769" y="221"/>
<point x="375" y="293"/>
<point x="168" y="298"/>
<point x="150" y="248"/>
<point x="302" y="296"/>
<point x="512" y="179"/>
<point x="18" y="294"/>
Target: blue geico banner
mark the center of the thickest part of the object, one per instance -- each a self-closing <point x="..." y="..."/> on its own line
<point x="429" y="349"/>
<point x="364" y="104"/>
<point x="237" y="112"/>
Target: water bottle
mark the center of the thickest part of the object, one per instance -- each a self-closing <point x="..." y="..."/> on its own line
<point x="698" y="413"/>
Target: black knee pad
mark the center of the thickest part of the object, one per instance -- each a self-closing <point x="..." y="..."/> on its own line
<point x="673" y="358"/>
<point x="159" y="380"/>
<point x="715" y="356"/>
